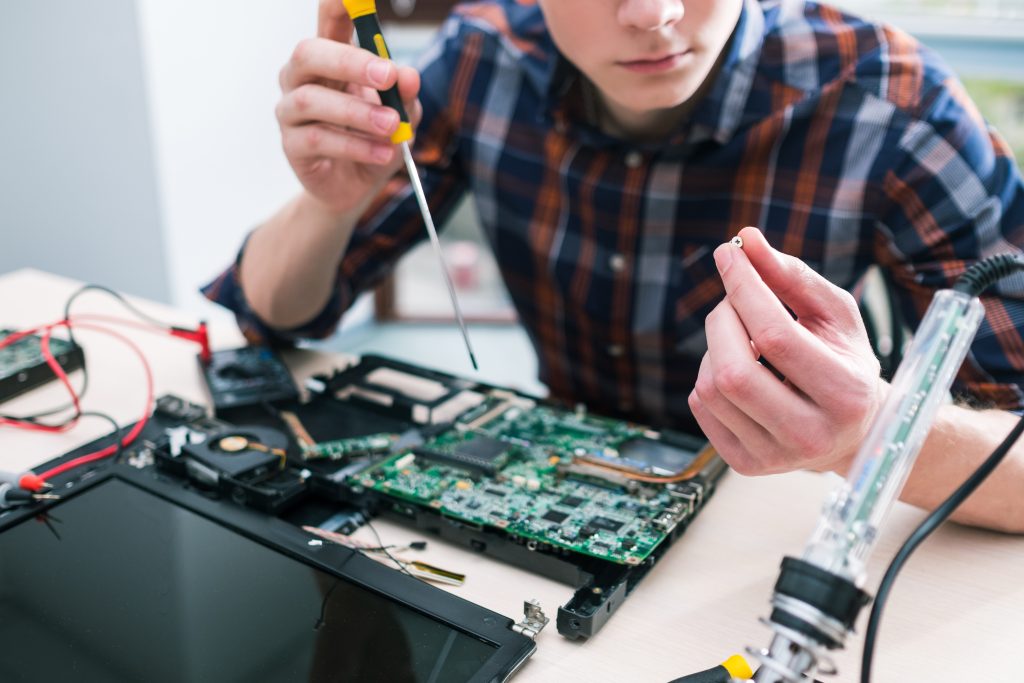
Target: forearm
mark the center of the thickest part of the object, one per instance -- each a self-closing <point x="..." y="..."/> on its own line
<point x="959" y="441"/>
<point x="290" y="262"/>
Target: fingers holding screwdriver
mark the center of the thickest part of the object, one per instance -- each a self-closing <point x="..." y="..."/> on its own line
<point x="336" y="134"/>
<point x="337" y="84"/>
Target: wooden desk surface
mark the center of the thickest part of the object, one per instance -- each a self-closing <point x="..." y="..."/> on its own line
<point x="956" y="614"/>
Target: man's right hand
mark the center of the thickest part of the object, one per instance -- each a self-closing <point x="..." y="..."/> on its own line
<point x="336" y="133"/>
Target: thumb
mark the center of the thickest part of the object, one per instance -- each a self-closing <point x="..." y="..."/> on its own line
<point x="804" y="291"/>
<point x="333" y="21"/>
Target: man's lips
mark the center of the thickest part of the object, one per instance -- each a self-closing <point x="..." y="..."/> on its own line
<point x="656" y="64"/>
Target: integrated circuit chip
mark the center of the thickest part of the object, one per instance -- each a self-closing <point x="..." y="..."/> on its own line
<point x="571" y="501"/>
<point x="555" y="516"/>
<point x="606" y="524"/>
<point x="482" y="448"/>
<point x="481" y="453"/>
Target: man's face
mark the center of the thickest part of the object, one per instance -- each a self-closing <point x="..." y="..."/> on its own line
<point x="643" y="55"/>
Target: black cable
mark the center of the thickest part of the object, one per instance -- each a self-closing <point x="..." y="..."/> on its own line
<point x="71" y="337"/>
<point x="380" y="544"/>
<point x="320" y="620"/>
<point x="67" y="316"/>
<point x="117" y="295"/>
<point x="930" y="524"/>
<point x="984" y="274"/>
<point x="272" y="411"/>
<point x="117" y="431"/>
<point x="973" y="282"/>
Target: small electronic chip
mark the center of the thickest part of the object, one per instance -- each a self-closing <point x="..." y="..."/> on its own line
<point x="606" y="524"/>
<point x="481" y="453"/>
<point x="555" y="516"/>
<point x="571" y="501"/>
<point x="482" y="448"/>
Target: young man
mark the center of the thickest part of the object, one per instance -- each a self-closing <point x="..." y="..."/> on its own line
<point x="612" y="146"/>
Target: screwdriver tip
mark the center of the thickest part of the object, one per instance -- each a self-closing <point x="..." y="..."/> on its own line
<point x="472" y="359"/>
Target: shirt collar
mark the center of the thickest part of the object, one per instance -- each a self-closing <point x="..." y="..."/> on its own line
<point x="720" y="113"/>
<point x="538" y="58"/>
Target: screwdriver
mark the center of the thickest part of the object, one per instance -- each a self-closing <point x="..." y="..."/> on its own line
<point x="733" y="669"/>
<point x="364" y="17"/>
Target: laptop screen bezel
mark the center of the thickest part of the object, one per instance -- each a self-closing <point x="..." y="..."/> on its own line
<point x="511" y="649"/>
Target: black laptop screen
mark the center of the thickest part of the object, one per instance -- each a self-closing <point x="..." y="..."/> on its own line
<point x="139" y="589"/>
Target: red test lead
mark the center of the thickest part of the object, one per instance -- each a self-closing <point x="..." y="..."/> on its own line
<point x="30" y="481"/>
<point x="200" y="336"/>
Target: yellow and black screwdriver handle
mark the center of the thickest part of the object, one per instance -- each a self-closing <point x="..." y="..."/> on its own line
<point x="364" y="17"/>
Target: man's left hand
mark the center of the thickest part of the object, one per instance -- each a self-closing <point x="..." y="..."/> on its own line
<point x="817" y="416"/>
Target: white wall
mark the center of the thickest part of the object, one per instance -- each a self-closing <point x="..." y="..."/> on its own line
<point x="78" y="195"/>
<point x="138" y="143"/>
<point x="211" y="73"/>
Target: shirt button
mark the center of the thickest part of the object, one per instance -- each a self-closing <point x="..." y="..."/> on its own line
<point x="614" y="350"/>
<point x="560" y="127"/>
<point x="634" y="159"/>
<point x="617" y="262"/>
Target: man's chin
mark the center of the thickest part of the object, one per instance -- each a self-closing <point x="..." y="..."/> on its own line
<point x="661" y="96"/>
<point x="658" y="102"/>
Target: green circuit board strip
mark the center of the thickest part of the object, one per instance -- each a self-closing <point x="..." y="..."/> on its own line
<point x="344" y="448"/>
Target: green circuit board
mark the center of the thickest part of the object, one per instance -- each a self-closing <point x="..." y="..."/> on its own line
<point x="513" y="465"/>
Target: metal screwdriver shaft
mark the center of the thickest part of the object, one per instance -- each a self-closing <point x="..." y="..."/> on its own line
<point x="421" y="198"/>
<point x="364" y="18"/>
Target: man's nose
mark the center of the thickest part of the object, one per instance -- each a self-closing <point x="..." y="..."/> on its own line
<point x="650" y="15"/>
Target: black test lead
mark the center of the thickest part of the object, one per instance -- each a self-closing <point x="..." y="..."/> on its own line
<point x="364" y="17"/>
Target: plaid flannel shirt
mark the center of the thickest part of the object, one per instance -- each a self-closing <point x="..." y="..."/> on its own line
<point x="847" y="142"/>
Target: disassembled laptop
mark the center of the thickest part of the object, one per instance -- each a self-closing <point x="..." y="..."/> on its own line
<point x="586" y="500"/>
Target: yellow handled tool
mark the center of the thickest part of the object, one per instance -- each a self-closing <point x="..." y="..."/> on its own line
<point x="364" y="17"/>
<point x="733" y="669"/>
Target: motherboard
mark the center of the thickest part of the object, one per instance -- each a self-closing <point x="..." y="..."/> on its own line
<point x="556" y="478"/>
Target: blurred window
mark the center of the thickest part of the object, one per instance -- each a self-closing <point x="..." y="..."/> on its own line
<point x="982" y="40"/>
<point x="988" y="9"/>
